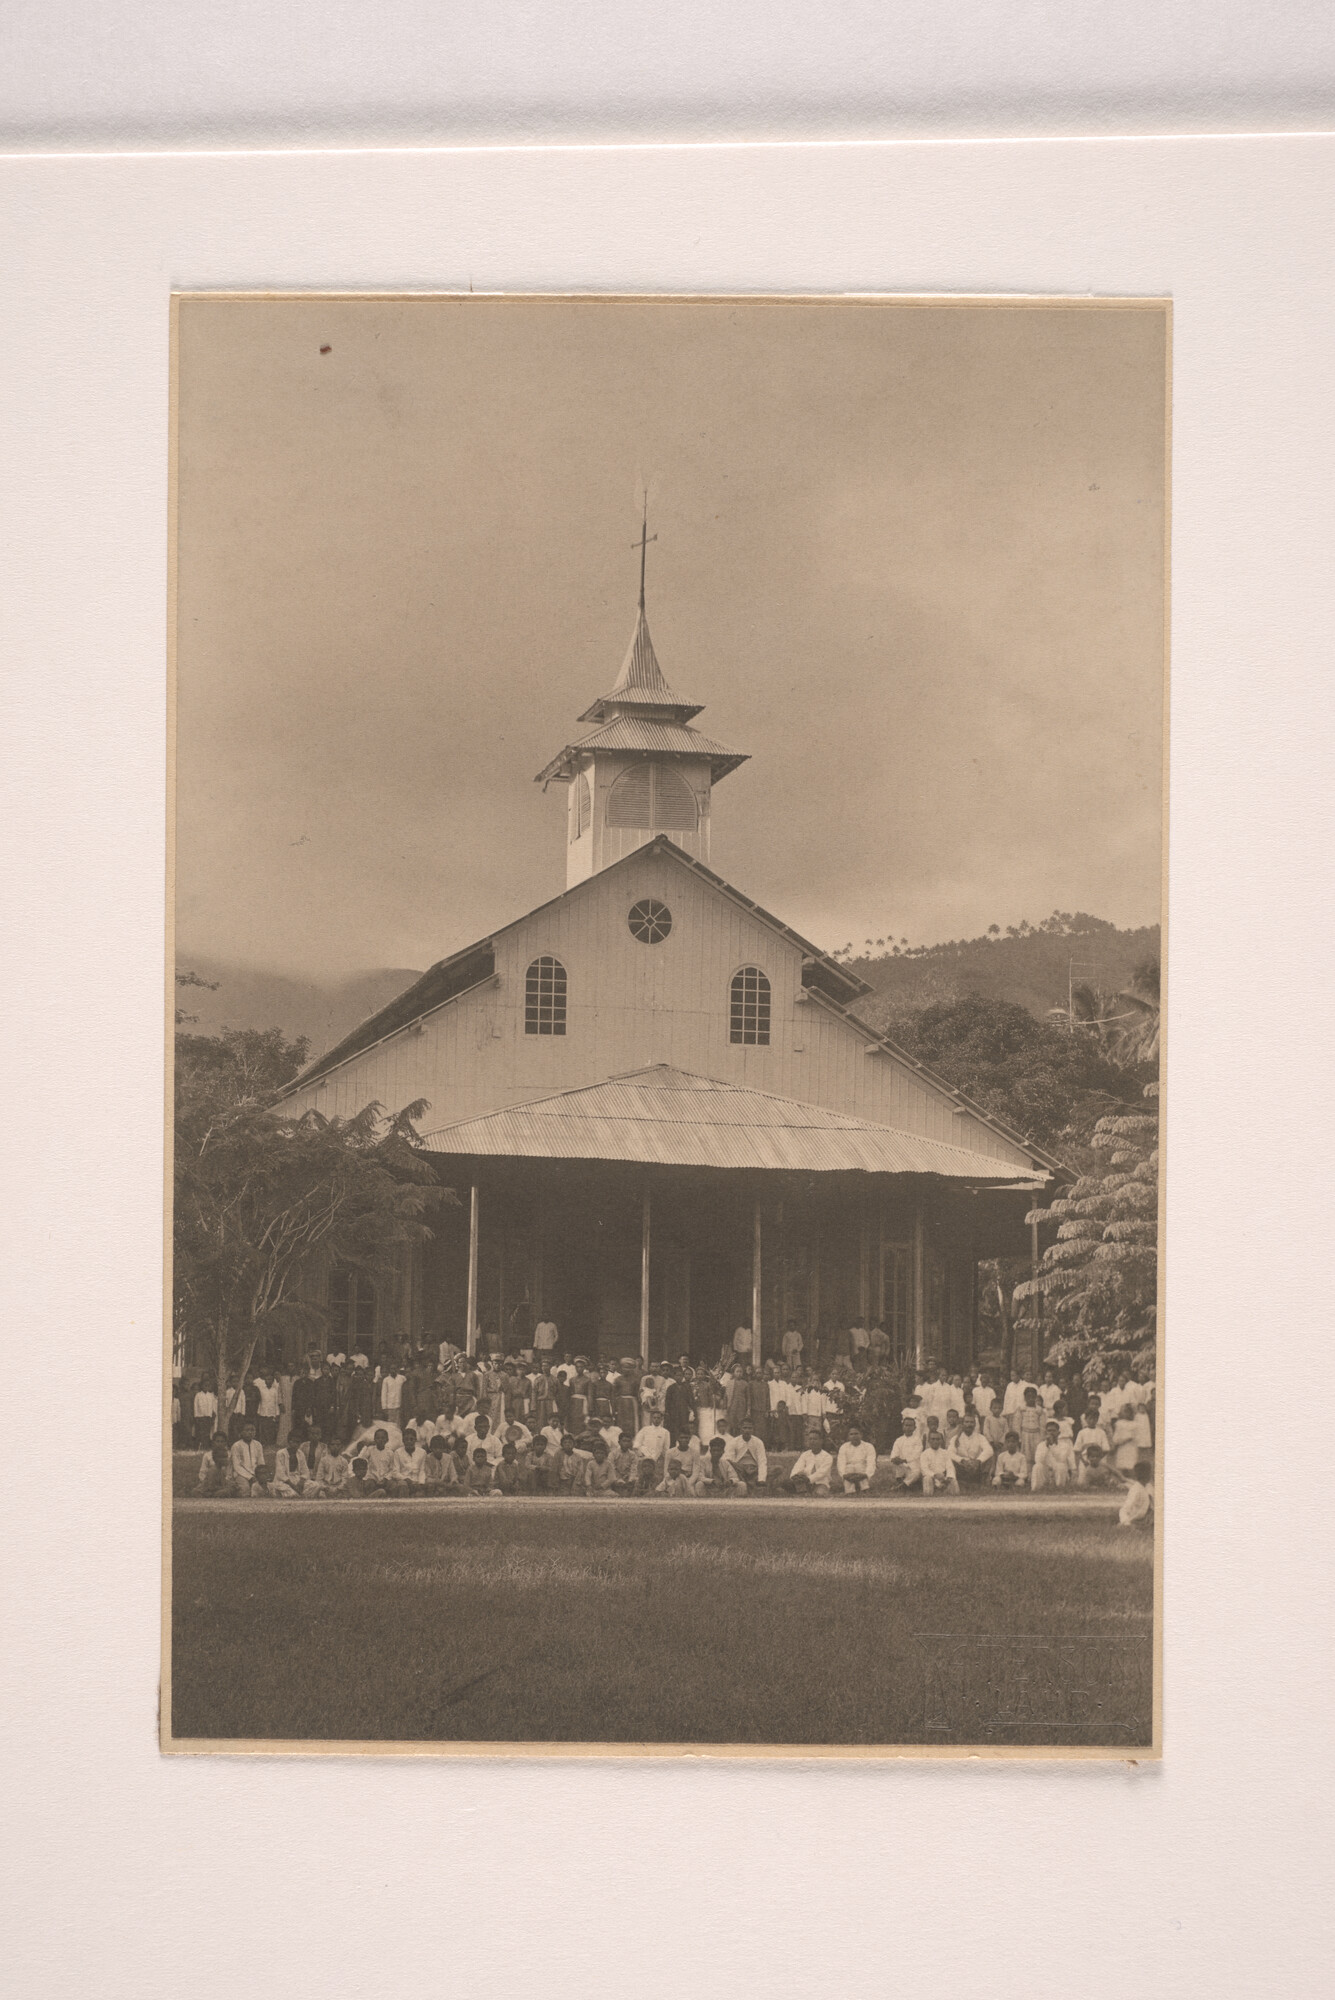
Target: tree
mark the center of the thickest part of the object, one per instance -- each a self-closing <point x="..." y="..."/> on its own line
<point x="260" y="1198"/>
<point x="1140" y="1036"/>
<point x="1047" y="1084"/>
<point x="1099" y="1280"/>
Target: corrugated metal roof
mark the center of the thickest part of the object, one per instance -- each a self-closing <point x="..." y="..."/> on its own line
<point x="638" y="732"/>
<point x="666" y="1117"/>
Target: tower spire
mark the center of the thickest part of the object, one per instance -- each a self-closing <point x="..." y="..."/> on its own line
<point x="642" y="545"/>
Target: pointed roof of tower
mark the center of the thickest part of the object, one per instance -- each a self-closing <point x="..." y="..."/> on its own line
<point x="641" y="679"/>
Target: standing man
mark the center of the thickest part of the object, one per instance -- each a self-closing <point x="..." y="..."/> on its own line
<point x="791" y="1347"/>
<point x="392" y="1384"/>
<point x="546" y="1342"/>
<point x="206" y="1414"/>
<point x="268" y="1405"/>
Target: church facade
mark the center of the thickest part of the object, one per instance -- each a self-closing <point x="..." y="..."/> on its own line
<point x="661" y="1114"/>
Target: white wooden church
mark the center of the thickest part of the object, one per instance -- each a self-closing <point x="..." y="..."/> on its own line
<point x="661" y="1115"/>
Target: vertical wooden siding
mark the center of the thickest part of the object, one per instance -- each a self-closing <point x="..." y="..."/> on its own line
<point x="630" y="1004"/>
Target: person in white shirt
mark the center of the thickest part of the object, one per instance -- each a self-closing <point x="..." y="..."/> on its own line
<point x="269" y="1406"/>
<point x="407" y="1467"/>
<point x="905" y="1462"/>
<point x="856" y="1463"/>
<point x="291" y="1473"/>
<point x="391" y="1393"/>
<point x="545" y="1339"/>
<point x="1050" y="1391"/>
<point x="810" y="1474"/>
<point x="1013" y="1399"/>
<point x="971" y="1452"/>
<point x="1092" y="1450"/>
<point x="1054" y="1461"/>
<point x="650" y="1447"/>
<point x="859" y="1339"/>
<point x="746" y="1454"/>
<point x="1139" y="1498"/>
<point x="914" y="1413"/>
<point x="1012" y="1466"/>
<point x="791" y="1345"/>
<point x="247" y="1460"/>
<point x="936" y="1467"/>
<point x="483" y="1437"/>
<point x="984" y="1396"/>
<point x="741" y="1343"/>
<point x="206" y="1415"/>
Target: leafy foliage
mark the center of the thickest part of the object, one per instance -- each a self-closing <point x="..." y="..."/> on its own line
<point x="1045" y="1082"/>
<point x="1099" y="1279"/>
<point x="261" y="1198"/>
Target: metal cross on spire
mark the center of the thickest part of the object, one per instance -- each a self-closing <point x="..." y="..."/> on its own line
<point x="642" y="545"/>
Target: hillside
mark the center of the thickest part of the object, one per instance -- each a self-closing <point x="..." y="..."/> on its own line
<point x="1030" y="967"/>
<point x="250" y="997"/>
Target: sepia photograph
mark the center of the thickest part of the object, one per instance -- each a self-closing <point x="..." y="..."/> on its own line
<point x="667" y="930"/>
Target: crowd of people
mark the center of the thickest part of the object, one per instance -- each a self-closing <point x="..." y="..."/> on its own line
<point x="437" y="1422"/>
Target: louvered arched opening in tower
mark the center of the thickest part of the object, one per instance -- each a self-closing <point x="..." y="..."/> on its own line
<point x="545" y="997"/>
<point x="655" y="797"/>
<point x="749" y="1007"/>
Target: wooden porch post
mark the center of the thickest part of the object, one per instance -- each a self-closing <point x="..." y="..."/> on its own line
<point x="880" y="1267"/>
<point x="644" y="1277"/>
<point x="470" y="1332"/>
<point x="864" y="1266"/>
<point x="919" y="1287"/>
<point x="1038" y="1300"/>
<point x="755" y="1283"/>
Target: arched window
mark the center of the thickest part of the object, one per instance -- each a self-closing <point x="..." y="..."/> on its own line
<point x="749" y="1011"/>
<point x="653" y="796"/>
<point x="545" y="997"/>
<point x="581" y="807"/>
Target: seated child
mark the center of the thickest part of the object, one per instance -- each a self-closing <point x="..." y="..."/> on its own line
<point x="479" y="1480"/>
<point x="291" y="1473"/>
<point x="439" y="1474"/>
<point x="936" y="1467"/>
<point x="1012" y="1466"/>
<point x="1054" y="1461"/>
<point x="1139" y="1498"/>
<point x="1092" y="1449"/>
<point x="215" y="1467"/>
<point x="361" y="1486"/>
<point x="624" y="1463"/>
<point x="505" y="1476"/>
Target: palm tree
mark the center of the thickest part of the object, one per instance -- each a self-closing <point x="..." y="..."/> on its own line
<point x="1140" y="1037"/>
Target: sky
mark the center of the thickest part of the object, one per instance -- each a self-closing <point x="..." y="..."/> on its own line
<point x="909" y="558"/>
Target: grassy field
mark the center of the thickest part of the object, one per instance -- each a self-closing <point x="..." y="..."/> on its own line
<point x="634" y="1626"/>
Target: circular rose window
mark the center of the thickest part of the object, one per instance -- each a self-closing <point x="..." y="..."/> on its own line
<point x="650" y="922"/>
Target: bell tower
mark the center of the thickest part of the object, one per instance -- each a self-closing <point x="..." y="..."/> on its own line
<point x="641" y="770"/>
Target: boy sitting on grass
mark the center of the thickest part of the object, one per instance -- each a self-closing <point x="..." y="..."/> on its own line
<point x="360" y="1486"/>
<point x="1054" y="1461"/>
<point x="438" y="1474"/>
<point x="936" y="1467"/>
<point x="1012" y="1473"/>
<point x="505" y="1477"/>
<point x="479" y="1481"/>
<point x="718" y="1476"/>
<point x="1135" y="1509"/>
<point x="215" y="1468"/>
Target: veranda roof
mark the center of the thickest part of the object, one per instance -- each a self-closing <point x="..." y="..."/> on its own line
<point x="667" y="1117"/>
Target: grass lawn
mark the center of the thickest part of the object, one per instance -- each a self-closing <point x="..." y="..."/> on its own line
<point x="632" y="1625"/>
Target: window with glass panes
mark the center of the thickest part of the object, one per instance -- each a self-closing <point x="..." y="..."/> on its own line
<point x="749" y="1012"/>
<point x="545" y="997"/>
